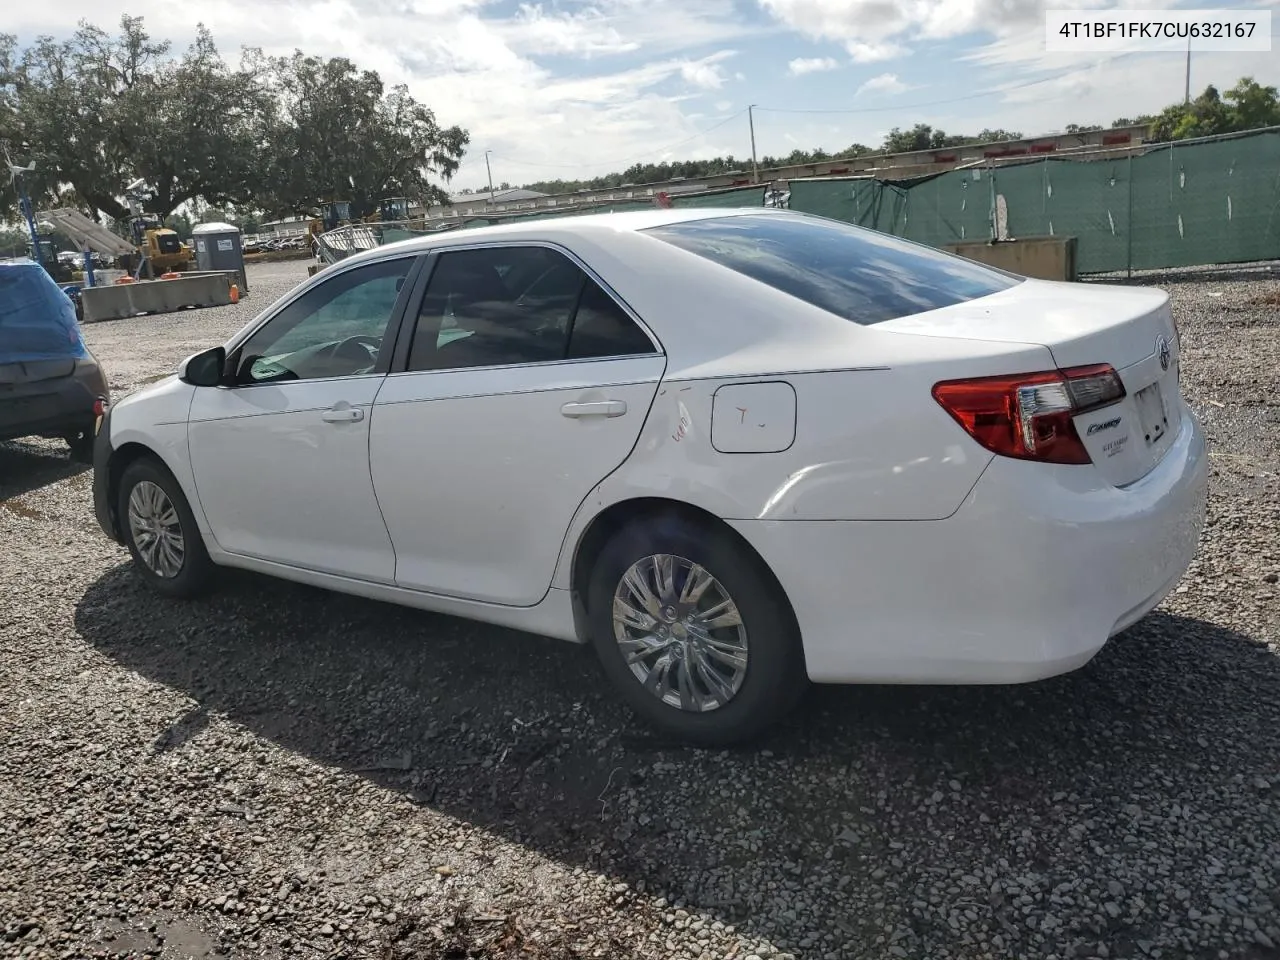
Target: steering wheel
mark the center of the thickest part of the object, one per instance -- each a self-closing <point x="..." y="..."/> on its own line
<point x="367" y="345"/>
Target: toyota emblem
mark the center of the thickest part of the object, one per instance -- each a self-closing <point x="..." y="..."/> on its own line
<point x="1163" y="351"/>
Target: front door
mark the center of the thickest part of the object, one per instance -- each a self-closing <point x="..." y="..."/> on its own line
<point x="281" y="459"/>
<point x="526" y="385"/>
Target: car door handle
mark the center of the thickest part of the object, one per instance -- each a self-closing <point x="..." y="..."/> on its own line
<point x="342" y="415"/>
<point x="599" y="408"/>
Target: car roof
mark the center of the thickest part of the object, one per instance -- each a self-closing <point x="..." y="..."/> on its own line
<point x="597" y="224"/>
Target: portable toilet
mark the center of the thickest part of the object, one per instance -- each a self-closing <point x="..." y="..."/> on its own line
<point x="218" y="247"/>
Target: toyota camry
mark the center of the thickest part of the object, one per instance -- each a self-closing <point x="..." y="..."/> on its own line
<point x="735" y="451"/>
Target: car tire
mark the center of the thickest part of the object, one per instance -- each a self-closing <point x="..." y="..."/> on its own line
<point x="763" y="690"/>
<point x="81" y="444"/>
<point x="179" y="566"/>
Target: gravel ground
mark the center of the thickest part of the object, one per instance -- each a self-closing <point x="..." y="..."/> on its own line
<point x="275" y="771"/>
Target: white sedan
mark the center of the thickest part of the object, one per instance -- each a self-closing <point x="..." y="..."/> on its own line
<point x="734" y="450"/>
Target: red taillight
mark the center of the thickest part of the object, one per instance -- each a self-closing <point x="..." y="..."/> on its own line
<point x="1030" y="415"/>
<point x="99" y="407"/>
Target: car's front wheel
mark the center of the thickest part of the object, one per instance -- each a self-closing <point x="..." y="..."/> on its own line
<point x="694" y="632"/>
<point x="160" y="531"/>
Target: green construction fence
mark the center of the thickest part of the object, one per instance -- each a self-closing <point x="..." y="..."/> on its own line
<point x="1179" y="204"/>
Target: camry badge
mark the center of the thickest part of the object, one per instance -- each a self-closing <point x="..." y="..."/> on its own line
<point x="1163" y="351"/>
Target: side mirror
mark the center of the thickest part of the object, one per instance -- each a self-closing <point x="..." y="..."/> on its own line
<point x="204" y="369"/>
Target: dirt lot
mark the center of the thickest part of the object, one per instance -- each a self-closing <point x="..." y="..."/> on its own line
<point x="275" y="771"/>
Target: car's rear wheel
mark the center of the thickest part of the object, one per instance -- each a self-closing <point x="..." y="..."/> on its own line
<point x="694" y="632"/>
<point x="160" y="531"/>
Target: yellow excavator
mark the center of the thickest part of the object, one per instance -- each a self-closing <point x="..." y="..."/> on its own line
<point x="156" y="244"/>
<point x="159" y="246"/>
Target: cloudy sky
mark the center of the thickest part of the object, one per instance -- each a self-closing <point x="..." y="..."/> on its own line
<point x="574" y="88"/>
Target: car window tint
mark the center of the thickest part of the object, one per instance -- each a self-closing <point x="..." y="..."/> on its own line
<point x="601" y="328"/>
<point x="853" y="272"/>
<point x="335" y="329"/>
<point x="496" y="306"/>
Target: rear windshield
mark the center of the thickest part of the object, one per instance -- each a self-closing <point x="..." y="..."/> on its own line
<point x="853" y="272"/>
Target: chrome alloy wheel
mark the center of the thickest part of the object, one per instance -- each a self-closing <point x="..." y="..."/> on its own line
<point x="156" y="530"/>
<point x="680" y="633"/>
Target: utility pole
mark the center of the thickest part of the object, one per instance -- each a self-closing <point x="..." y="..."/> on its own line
<point x="751" y="122"/>
<point x="24" y="201"/>
<point x="1186" y="97"/>
<point x="490" y="172"/>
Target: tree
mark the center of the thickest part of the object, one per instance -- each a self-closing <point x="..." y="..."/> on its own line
<point x="76" y="108"/>
<point x="924" y="137"/>
<point x="197" y="135"/>
<point x="334" y="134"/>
<point x="8" y="114"/>
<point x="1251" y="105"/>
<point x="14" y="242"/>
<point x="919" y="137"/>
<point x="995" y="136"/>
<point x="181" y="224"/>
<point x="1205" y="116"/>
<point x="98" y="111"/>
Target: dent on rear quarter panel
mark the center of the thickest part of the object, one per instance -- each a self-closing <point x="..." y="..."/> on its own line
<point x="861" y="451"/>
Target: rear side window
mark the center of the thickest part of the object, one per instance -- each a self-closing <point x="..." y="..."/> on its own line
<point x="853" y="272"/>
<point x="499" y="306"/>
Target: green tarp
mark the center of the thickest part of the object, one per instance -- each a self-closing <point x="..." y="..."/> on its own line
<point x="1176" y="205"/>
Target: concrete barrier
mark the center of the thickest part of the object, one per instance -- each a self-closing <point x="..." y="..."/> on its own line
<point x="1045" y="258"/>
<point x="113" y="301"/>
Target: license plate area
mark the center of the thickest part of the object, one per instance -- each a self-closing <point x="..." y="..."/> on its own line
<point x="1152" y="415"/>
<point x="30" y="409"/>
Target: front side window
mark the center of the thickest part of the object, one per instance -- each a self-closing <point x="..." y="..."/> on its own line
<point x="497" y="306"/>
<point x="335" y="329"/>
<point x="855" y="273"/>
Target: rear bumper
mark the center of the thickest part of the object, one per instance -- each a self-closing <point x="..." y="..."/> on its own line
<point x="52" y="407"/>
<point x="1029" y="578"/>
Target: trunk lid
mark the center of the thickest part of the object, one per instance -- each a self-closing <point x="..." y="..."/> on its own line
<point x="33" y="371"/>
<point x="1130" y="328"/>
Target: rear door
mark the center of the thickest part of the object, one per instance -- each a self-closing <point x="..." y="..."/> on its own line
<point x="524" y="385"/>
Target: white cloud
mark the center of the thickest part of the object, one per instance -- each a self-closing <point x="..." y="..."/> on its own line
<point x="876" y="30"/>
<point x="802" y="65"/>
<point x="887" y="83"/>
<point x="705" y="73"/>
<point x="586" y="34"/>
<point x="874" y="52"/>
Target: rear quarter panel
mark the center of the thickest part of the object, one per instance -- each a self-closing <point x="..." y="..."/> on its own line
<point x="871" y="444"/>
